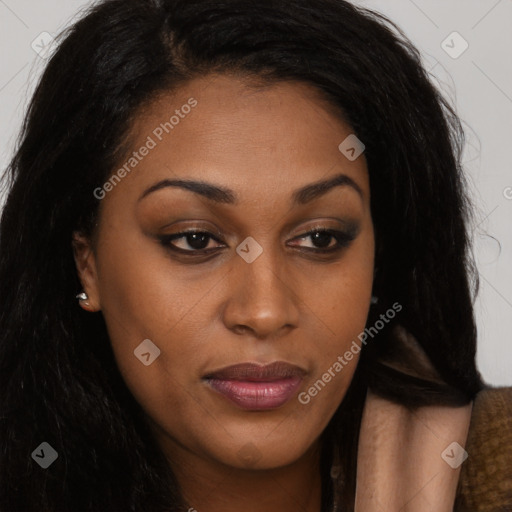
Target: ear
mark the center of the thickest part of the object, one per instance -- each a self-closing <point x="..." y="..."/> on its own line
<point x="85" y="262"/>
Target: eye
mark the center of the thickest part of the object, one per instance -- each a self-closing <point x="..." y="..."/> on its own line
<point x="197" y="241"/>
<point x="322" y="239"/>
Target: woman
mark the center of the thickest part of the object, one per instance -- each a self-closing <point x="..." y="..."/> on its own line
<point x="261" y="212"/>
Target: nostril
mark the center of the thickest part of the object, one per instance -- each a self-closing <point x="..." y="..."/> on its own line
<point x="240" y="329"/>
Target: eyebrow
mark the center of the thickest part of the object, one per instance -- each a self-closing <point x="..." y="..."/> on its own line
<point x="219" y="194"/>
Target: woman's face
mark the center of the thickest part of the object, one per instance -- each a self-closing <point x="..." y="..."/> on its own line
<point x="256" y="289"/>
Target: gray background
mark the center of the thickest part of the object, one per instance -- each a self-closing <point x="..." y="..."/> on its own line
<point x="478" y="82"/>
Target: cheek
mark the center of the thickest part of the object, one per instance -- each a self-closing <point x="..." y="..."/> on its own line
<point x="143" y="298"/>
<point x="346" y="289"/>
<point x="143" y="295"/>
<point x="342" y="305"/>
<point x="337" y="356"/>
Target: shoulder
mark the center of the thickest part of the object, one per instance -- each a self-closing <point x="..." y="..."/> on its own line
<point x="485" y="482"/>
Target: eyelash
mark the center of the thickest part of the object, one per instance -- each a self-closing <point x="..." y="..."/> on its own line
<point x="343" y="240"/>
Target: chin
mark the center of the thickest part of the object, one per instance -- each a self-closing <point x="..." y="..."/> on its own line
<point x="262" y="454"/>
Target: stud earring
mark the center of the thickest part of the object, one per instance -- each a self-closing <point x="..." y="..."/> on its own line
<point x="83" y="301"/>
<point x="374" y="299"/>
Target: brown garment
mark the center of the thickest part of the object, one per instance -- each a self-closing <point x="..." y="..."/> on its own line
<point x="485" y="483"/>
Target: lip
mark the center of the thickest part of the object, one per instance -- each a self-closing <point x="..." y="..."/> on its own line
<point x="257" y="387"/>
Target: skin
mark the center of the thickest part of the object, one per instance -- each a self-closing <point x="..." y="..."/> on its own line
<point x="206" y="313"/>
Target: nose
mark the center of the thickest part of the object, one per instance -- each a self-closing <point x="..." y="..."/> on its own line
<point x="262" y="299"/>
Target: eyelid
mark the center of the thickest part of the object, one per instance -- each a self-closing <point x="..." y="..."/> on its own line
<point x="347" y="225"/>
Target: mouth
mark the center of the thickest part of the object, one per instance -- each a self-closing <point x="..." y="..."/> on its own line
<point x="254" y="387"/>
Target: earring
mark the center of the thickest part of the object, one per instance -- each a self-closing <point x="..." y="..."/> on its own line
<point x="83" y="301"/>
<point x="374" y="299"/>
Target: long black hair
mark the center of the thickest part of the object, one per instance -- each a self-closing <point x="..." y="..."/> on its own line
<point x="59" y="382"/>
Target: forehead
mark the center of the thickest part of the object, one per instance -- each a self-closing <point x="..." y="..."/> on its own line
<point x="257" y="140"/>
